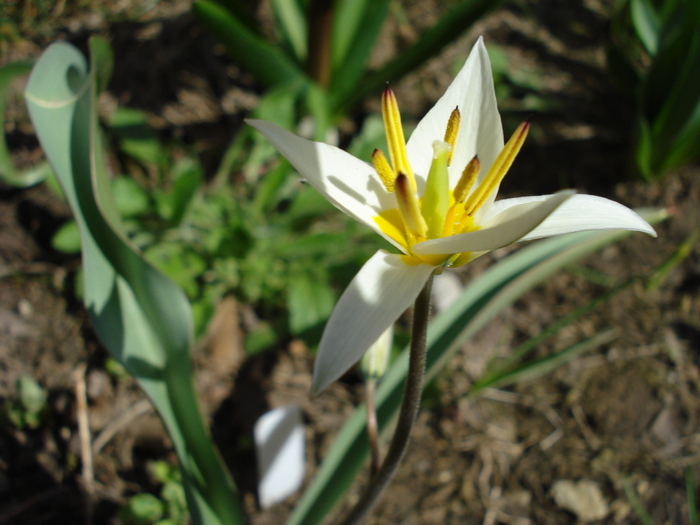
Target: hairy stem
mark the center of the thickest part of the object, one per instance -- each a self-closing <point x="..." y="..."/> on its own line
<point x="372" y="433"/>
<point x="408" y="412"/>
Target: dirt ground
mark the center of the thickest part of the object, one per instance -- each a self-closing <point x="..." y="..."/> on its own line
<point x="625" y="415"/>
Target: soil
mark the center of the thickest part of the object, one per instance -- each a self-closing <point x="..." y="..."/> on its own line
<point x="624" y="415"/>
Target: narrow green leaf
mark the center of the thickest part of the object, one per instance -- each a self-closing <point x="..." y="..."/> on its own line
<point x="293" y="22"/>
<point x="356" y="26"/>
<point x="267" y="62"/>
<point x="680" y="254"/>
<point x="646" y="24"/>
<point x="142" y="317"/>
<point x="540" y="367"/>
<point x="636" y="503"/>
<point x="478" y="304"/>
<point x="188" y="177"/>
<point x="455" y="22"/>
<point x="671" y="92"/>
<point x="510" y="362"/>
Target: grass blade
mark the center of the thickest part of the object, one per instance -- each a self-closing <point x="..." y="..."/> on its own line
<point x="450" y="26"/>
<point x="263" y="59"/>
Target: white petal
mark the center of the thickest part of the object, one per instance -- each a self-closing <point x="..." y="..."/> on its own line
<point x="349" y="184"/>
<point x="480" y="130"/>
<point x="582" y="213"/>
<point x="376" y="297"/>
<point x="510" y="224"/>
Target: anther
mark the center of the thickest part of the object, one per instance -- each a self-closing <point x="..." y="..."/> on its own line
<point x="394" y="136"/>
<point x="498" y="170"/>
<point x="451" y="132"/>
<point x="467" y="180"/>
<point x="383" y="169"/>
<point x="408" y="206"/>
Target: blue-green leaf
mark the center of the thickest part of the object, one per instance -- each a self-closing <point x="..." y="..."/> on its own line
<point x="141" y="316"/>
<point x="8" y="173"/>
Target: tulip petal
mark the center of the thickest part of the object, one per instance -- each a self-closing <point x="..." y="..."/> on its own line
<point x="509" y="225"/>
<point x="480" y="131"/>
<point x="349" y="184"/>
<point x="581" y="213"/>
<point x="376" y="297"/>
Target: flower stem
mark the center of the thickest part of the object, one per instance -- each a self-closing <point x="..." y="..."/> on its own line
<point x="408" y="412"/>
<point x="372" y="433"/>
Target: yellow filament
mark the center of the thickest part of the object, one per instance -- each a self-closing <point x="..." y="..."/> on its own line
<point x="394" y="137"/>
<point x="452" y="218"/>
<point x="410" y="212"/>
<point x="498" y="170"/>
<point x="381" y="165"/>
<point x="467" y="180"/>
<point x="451" y="132"/>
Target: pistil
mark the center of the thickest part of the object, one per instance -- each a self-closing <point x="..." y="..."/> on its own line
<point x="436" y="197"/>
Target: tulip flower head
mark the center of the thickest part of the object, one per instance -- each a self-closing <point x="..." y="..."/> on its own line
<point x="433" y="198"/>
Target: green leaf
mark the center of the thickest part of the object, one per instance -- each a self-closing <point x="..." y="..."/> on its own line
<point x="187" y="179"/>
<point x="671" y="92"/>
<point x="67" y="238"/>
<point x="143" y="319"/>
<point x="8" y="173"/>
<point x="142" y="509"/>
<point x="370" y="137"/>
<point x="455" y="22"/>
<point x="129" y="197"/>
<point x="136" y="138"/>
<point x="646" y="24"/>
<point x="356" y="26"/>
<point x="309" y="301"/>
<point x="293" y="22"/>
<point x="308" y="203"/>
<point x="278" y="106"/>
<point x="479" y="303"/>
<point x="31" y="394"/>
<point x="266" y="61"/>
<point x="179" y="263"/>
<point x="261" y="337"/>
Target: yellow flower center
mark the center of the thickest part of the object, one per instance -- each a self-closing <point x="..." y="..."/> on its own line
<point x="439" y="211"/>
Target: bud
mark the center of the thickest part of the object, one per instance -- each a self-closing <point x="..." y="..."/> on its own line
<point x="376" y="360"/>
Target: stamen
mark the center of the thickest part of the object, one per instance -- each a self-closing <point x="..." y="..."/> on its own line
<point x="452" y="219"/>
<point x="498" y="170"/>
<point x="394" y="137"/>
<point x="451" y="132"/>
<point x="467" y="180"/>
<point x="408" y="206"/>
<point x="381" y="165"/>
<point x="436" y="196"/>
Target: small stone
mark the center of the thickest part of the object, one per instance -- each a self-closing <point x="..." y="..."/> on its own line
<point x="447" y="288"/>
<point x="584" y="498"/>
<point x="25" y="308"/>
